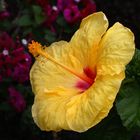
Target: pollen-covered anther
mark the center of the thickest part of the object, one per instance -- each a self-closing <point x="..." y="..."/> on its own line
<point x="34" y="48"/>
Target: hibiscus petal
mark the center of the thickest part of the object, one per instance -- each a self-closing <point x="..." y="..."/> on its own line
<point x="46" y="75"/>
<point x="91" y="30"/>
<point x="116" y="50"/>
<point x="87" y="37"/>
<point x="49" y="109"/>
<point x="93" y="105"/>
<point x="64" y="109"/>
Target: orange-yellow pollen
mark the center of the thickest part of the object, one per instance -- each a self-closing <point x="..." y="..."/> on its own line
<point x="34" y="48"/>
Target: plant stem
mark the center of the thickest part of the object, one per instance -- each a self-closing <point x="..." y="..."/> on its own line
<point x="55" y="136"/>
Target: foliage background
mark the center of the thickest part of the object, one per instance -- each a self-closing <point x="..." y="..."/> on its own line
<point x="24" y="20"/>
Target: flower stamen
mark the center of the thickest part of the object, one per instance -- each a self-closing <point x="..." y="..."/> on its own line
<point x="35" y="49"/>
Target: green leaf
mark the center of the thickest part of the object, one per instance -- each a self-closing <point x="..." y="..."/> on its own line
<point x="128" y="101"/>
<point x="38" y="14"/>
<point x="4" y="106"/>
<point x="61" y="21"/>
<point x="27" y="31"/>
<point x="24" y="20"/>
<point x="134" y="67"/>
<point x="128" y="105"/>
<point x="5" y="25"/>
<point x="50" y="36"/>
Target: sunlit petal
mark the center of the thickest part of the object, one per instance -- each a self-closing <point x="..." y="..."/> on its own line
<point x="88" y="36"/>
<point x="116" y="50"/>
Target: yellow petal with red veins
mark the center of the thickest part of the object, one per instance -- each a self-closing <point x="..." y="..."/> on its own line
<point x="116" y="50"/>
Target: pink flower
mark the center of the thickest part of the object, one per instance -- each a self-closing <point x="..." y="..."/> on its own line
<point x="14" y="62"/>
<point x="75" y="10"/>
<point x="16" y="100"/>
<point x="51" y="13"/>
<point x="21" y="67"/>
<point x="89" y="7"/>
<point x="62" y="4"/>
<point x="42" y="3"/>
<point x="6" y="42"/>
<point x="72" y="14"/>
<point x="20" y="73"/>
<point x="4" y="15"/>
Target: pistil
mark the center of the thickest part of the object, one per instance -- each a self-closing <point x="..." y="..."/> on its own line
<point x="36" y="49"/>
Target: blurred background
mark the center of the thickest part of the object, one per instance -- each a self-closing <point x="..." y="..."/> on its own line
<point x="47" y="21"/>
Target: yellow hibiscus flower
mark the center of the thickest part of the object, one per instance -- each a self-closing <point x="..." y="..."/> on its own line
<point x="75" y="83"/>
